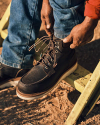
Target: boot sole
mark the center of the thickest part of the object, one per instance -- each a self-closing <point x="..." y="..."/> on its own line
<point x="26" y="96"/>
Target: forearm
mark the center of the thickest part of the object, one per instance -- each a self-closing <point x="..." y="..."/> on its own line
<point x="46" y="5"/>
<point x="89" y="23"/>
<point x="47" y="17"/>
<point x="46" y="1"/>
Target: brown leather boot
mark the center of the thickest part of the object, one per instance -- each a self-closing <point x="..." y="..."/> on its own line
<point x="7" y="73"/>
<point x="56" y="63"/>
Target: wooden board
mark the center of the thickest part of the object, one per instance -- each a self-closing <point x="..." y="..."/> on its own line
<point x="79" y="78"/>
<point x="85" y="96"/>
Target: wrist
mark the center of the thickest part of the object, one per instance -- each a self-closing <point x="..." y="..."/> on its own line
<point x="46" y="1"/>
<point x="90" y="23"/>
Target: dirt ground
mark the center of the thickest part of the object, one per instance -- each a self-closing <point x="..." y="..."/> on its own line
<point x="54" y="108"/>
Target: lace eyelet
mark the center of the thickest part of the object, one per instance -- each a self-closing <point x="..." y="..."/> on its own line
<point x="56" y="51"/>
<point x="46" y="67"/>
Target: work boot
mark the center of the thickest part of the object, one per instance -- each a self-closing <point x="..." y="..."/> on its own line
<point x="56" y="63"/>
<point x="7" y="73"/>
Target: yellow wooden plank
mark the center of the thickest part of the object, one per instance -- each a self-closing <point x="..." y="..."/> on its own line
<point x="79" y="78"/>
<point x="5" y="18"/>
<point x="4" y="22"/>
<point x="4" y="33"/>
<point x="93" y="101"/>
<point x="84" y="97"/>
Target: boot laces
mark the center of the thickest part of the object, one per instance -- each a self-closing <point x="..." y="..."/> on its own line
<point x="49" y="55"/>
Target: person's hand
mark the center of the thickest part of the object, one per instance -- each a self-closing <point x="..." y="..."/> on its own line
<point x="81" y="33"/>
<point x="47" y="17"/>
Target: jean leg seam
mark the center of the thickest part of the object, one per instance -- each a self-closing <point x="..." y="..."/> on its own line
<point x="31" y="25"/>
<point x="32" y="21"/>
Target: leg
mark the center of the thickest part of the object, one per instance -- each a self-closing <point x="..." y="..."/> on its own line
<point x="58" y="61"/>
<point x="67" y="14"/>
<point x="23" y="29"/>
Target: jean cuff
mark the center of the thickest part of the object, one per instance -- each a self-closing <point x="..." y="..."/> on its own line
<point x="19" y="66"/>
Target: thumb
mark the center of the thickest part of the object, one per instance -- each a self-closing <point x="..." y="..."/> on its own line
<point x="67" y="41"/>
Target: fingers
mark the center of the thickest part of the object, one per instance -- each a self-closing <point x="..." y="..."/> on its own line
<point x="47" y="24"/>
<point x="67" y="41"/>
<point x="73" y="46"/>
<point x="70" y="41"/>
<point x="48" y="27"/>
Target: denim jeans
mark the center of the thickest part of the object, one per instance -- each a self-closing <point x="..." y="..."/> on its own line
<point x="24" y="26"/>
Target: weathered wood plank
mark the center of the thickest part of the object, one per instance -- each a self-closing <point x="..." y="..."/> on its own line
<point x="4" y="33"/>
<point x="79" y="78"/>
<point x="84" y="97"/>
<point x="4" y="22"/>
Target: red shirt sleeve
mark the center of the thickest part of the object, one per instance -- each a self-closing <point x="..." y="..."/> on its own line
<point x="92" y="9"/>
